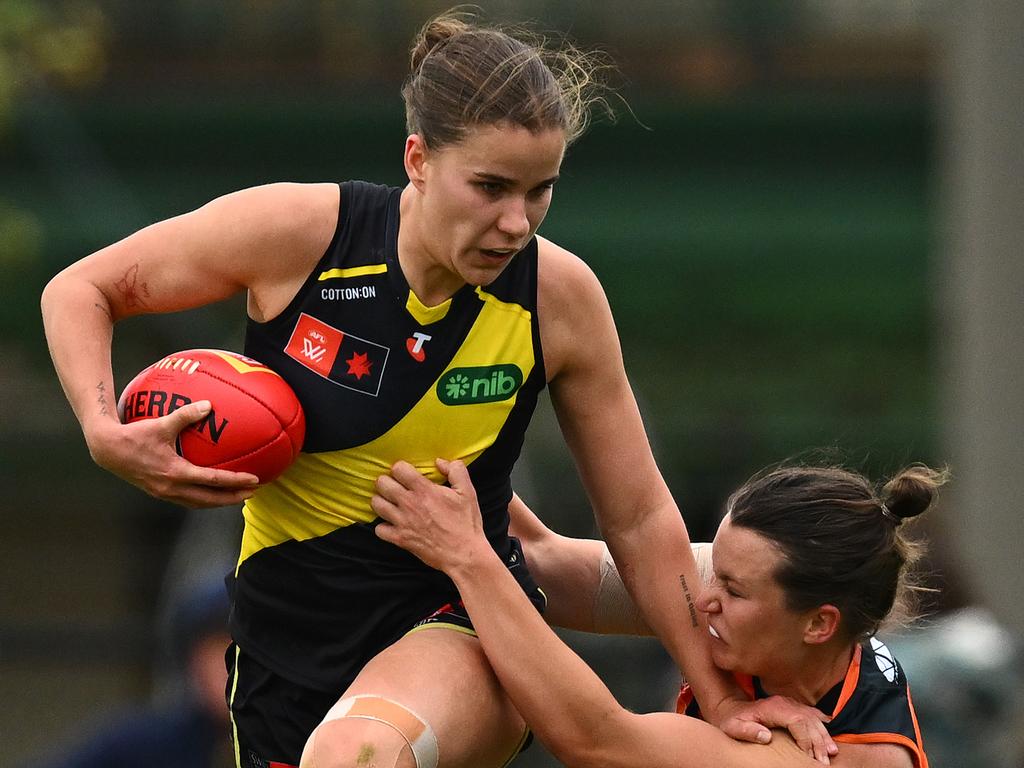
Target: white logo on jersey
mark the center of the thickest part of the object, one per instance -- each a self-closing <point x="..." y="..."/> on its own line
<point x="415" y="346"/>
<point x="348" y="294"/>
<point x="884" y="659"/>
<point x="313" y="351"/>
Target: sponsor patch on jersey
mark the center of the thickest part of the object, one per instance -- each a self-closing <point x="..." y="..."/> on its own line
<point x="414" y="345"/>
<point x="885" y="660"/>
<point x="479" y="384"/>
<point x="341" y="358"/>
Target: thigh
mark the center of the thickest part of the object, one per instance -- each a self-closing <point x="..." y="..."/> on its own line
<point x="442" y="675"/>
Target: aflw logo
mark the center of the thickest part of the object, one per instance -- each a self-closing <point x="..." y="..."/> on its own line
<point x="314" y="352"/>
<point x="480" y="384"/>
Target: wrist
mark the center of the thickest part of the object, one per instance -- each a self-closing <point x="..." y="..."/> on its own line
<point x="100" y="432"/>
<point x="475" y="561"/>
<point x="718" y="703"/>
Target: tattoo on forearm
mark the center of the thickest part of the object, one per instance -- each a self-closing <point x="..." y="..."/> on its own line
<point x="689" y="601"/>
<point x="132" y="290"/>
<point x="102" y="399"/>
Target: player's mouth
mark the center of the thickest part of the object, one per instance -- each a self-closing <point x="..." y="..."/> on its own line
<point x="499" y="254"/>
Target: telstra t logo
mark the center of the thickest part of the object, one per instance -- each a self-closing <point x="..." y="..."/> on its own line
<point x="415" y="346"/>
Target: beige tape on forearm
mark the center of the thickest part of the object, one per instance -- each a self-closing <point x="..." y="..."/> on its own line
<point x="615" y="612"/>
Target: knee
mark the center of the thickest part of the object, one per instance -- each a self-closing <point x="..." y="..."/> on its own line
<point x="355" y="743"/>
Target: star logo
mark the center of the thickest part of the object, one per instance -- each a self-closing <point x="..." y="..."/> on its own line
<point x="359" y="364"/>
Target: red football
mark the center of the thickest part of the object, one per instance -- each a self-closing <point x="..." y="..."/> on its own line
<point x="256" y="424"/>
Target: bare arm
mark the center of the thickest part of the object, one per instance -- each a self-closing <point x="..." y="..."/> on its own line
<point x="560" y="697"/>
<point x="263" y="239"/>
<point x="580" y="579"/>
<point x="638" y="518"/>
<point x="602" y="425"/>
<point x="567" y="569"/>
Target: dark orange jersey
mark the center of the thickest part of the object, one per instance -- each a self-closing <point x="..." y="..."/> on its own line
<point x="870" y="705"/>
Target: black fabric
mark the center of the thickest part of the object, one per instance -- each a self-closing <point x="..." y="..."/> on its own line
<point x="274" y="716"/>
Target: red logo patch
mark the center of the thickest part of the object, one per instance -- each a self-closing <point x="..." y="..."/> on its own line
<point x="315" y="344"/>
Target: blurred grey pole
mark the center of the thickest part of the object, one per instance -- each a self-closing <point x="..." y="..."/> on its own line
<point x="982" y="336"/>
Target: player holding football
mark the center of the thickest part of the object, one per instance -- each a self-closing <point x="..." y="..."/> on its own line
<point x="412" y="322"/>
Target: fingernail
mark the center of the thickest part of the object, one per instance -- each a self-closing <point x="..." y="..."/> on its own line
<point x="205" y="406"/>
<point x="764" y="737"/>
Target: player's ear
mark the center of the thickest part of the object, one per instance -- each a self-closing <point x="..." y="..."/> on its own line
<point x="415" y="160"/>
<point x="822" y="624"/>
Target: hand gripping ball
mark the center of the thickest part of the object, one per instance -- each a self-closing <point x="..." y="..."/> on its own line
<point x="256" y="423"/>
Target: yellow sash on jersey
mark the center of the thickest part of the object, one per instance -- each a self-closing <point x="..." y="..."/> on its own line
<point x="322" y="492"/>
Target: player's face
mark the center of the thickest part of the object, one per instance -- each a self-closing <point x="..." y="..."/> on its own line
<point x="752" y="629"/>
<point x="485" y="197"/>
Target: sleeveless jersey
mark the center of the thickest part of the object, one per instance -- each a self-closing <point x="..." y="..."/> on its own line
<point x="870" y="705"/>
<point x="382" y="378"/>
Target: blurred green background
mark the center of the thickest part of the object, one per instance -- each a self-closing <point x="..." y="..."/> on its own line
<point x="761" y="216"/>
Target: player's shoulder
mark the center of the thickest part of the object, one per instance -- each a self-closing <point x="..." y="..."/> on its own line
<point x="878" y="660"/>
<point x="283" y="203"/>
<point x="563" y="276"/>
<point x="572" y="305"/>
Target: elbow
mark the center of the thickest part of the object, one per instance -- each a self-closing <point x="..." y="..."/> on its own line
<point x="52" y="294"/>
<point x="56" y="291"/>
<point x="49" y="290"/>
<point x="69" y="289"/>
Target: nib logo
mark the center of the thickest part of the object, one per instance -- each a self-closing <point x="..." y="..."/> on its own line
<point x="480" y="384"/>
<point x="456" y="387"/>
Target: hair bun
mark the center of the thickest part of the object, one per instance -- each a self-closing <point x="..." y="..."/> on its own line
<point x="913" y="490"/>
<point x="434" y="34"/>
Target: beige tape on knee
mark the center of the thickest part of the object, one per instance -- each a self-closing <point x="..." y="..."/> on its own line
<point x="615" y="613"/>
<point x="414" y="729"/>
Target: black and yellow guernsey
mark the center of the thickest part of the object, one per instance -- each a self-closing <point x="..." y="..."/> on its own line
<point x="382" y="378"/>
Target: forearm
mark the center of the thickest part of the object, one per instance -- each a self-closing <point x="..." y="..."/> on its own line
<point x="566" y="704"/>
<point x="569" y="572"/>
<point x="79" y="331"/>
<point x="560" y="697"/>
<point x="655" y="561"/>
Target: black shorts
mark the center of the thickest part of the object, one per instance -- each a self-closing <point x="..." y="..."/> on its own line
<point x="272" y="716"/>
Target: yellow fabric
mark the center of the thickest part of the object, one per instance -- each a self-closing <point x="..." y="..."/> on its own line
<point x="231" y="714"/>
<point x="369" y="269"/>
<point x="324" y="491"/>
<point x="423" y="314"/>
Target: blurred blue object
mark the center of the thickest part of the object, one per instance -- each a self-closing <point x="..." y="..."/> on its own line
<point x="968" y="688"/>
